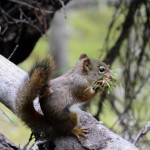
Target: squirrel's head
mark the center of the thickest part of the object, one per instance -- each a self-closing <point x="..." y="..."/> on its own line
<point x="97" y="74"/>
<point x="93" y="69"/>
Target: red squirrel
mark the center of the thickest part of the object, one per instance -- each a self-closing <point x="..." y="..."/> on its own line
<point x="59" y="98"/>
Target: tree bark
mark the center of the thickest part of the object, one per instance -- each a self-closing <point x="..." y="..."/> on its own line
<point x="58" y="39"/>
<point x="99" y="137"/>
<point x="11" y="78"/>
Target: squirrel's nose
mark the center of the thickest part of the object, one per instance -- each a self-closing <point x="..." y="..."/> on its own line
<point x="109" y="76"/>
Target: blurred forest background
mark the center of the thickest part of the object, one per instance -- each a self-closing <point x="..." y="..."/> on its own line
<point x="114" y="31"/>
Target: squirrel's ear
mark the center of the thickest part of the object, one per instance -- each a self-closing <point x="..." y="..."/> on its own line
<point x="83" y="56"/>
<point x="86" y="62"/>
<point x="86" y="65"/>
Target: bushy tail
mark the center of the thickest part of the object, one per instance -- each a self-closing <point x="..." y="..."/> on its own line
<point x="30" y="89"/>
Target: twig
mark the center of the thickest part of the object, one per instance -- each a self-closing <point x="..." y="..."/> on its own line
<point x="30" y="139"/>
<point x="145" y="80"/>
<point x="100" y="105"/>
<point x="4" y="30"/>
<point x="128" y="23"/>
<point x="64" y="8"/>
<point x="13" y="52"/>
<point x="141" y="134"/>
<point x="112" y="22"/>
<point x="25" y="4"/>
<point x="37" y="143"/>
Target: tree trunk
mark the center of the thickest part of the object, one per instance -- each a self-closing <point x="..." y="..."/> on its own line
<point x="58" y="39"/>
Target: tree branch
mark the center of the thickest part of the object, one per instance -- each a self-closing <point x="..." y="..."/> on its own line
<point x="129" y="20"/>
<point x="11" y="78"/>
<point x="141" y="134"/>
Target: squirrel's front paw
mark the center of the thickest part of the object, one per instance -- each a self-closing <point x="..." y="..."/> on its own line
<point x="98" y="86"/>
<point x="79" y="131"/>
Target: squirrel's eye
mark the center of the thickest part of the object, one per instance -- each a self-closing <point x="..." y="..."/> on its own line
<point x="101" y="69"/>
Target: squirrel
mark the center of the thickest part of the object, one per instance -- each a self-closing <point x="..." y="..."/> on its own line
<point x="59" y="98"/>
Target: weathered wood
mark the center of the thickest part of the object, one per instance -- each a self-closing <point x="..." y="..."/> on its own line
<point x="11" y="77"/>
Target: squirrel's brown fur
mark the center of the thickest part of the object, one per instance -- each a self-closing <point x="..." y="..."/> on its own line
<point x="60" y="97"/>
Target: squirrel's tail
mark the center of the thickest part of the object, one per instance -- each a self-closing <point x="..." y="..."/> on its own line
<point x="30" y="89"/>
